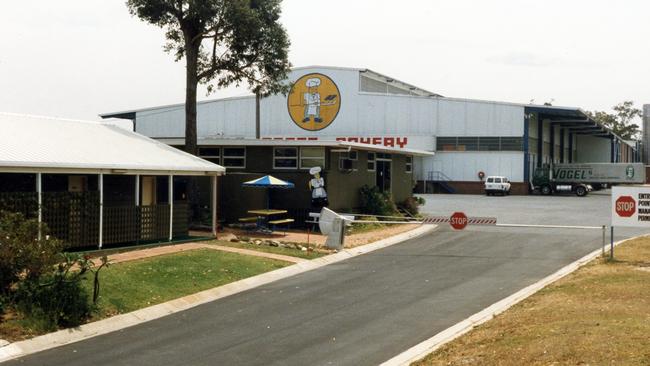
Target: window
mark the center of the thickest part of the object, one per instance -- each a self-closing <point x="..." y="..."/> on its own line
<point x="383" y="156"/>
<point x="311" y="157"/>
<point x="212" y="154"/>
<point x="409" y="164"/>
<point x="486" y="143"/>
<point x="353" y="155"/>
<point x="446" y="143"/>
<point x="285" y="158"/>
<point x="371" y="162"/>
<point x="234" y="157"/>
<point x="490" y="180"/>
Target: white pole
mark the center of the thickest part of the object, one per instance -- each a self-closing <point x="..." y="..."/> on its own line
<point x="171" y="207"/>
<point x="39" y="191"/>
<point x="137" y="190"/>
<point x="101" y="209"/>
<point x="214" y="206"/>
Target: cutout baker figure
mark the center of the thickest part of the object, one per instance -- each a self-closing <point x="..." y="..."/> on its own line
<point x="317" y="186"/>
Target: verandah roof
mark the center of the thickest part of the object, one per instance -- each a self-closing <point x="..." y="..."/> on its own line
<point x="53" y="145"/>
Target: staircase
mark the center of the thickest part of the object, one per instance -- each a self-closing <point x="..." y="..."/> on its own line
<point x="441" y="180"/>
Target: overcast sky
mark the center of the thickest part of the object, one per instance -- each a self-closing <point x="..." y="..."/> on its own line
<point x="79" y="58"/>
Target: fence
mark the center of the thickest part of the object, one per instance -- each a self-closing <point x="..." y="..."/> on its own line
<point x="73" y="217"/>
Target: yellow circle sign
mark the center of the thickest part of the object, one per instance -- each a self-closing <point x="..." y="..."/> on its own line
<point x="314" y="102"/>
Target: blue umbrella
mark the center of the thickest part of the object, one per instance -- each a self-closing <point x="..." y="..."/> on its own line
<point x="268" y="181"/>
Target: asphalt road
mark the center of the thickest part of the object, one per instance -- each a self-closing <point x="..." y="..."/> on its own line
<point x="364" y="310"/>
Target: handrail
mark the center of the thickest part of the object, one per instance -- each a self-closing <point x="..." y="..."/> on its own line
<point x="437" y="176"/>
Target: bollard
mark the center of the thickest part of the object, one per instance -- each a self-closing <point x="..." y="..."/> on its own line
<point x="604" y="242"/>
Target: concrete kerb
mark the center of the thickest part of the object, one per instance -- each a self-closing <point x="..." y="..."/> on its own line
<point x="428" y="346"/>
<point x="118" y="322"/>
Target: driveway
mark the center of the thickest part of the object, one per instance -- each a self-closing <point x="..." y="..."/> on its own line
<point x="367" y="309"/>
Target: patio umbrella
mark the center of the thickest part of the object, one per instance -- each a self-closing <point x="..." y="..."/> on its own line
<point x="268" y="181"/>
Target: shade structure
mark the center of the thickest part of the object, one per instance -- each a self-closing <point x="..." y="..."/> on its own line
<point x="268" y="181"/>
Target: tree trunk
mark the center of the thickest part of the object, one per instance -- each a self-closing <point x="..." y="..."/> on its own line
<point x="191" y="82"/>
<point x="257" y="116"/>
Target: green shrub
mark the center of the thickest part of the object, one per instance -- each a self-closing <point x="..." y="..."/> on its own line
<point x="56" y="299"/>
<point x="50" y="306"/>
<point x="375" y="202"/>
<point x="411" y="204"/>
<point x="23" y="256"/>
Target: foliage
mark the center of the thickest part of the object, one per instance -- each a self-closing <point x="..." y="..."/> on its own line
<point x="23" y="254"/>
<point x="621" y="121"/>
<point x="375" y="202"/>
<point x="224" y="42"/>
<point x="56" y="299"/>
<point x="411" y="205"/>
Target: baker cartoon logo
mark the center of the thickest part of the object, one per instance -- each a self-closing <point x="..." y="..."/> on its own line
<point x="314" y="102"/>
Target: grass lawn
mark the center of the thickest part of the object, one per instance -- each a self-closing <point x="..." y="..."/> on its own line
<point x="133" y="285"/>
<point x="598" y="315"/>
<point x="275" y="250"/>
<point x="137" y="284"/>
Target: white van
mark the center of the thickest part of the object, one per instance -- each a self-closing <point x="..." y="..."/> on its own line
<point x="497" y="184"/>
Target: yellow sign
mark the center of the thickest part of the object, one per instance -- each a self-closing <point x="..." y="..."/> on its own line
<point x="314" y="102"/>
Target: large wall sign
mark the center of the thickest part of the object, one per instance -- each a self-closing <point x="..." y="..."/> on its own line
<point x="314" y="102"/>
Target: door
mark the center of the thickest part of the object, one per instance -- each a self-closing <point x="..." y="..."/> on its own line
<point x="383" y="175"/>
<point x="148" y="191"/>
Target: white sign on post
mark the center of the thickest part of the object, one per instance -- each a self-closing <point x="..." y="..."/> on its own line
<point x="631" y="206"/>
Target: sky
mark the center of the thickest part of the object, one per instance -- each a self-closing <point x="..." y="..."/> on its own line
<point x="80" y="58"/>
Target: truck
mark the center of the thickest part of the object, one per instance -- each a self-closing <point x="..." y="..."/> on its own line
<point x="581" y="177"/>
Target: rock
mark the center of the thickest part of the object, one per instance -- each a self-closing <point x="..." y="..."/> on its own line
<point x="257" y="242"/>
<point x="4" y="343"/>
<point x="303" y="249"/>
<point x="282" y="245"/>
<point x="274" y="243"/>
<point x="234" y="240"/>
<point x="244" y="238"/>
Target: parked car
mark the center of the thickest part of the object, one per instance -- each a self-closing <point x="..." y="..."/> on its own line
<point x="497" y="184"/>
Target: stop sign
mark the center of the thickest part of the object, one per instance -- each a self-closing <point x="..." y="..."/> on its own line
<point x="625" y="206"/>
<point x="458" y="220"/>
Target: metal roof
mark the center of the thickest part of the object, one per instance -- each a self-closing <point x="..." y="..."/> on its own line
<point x="53" y="145"/>
<point x="316" y="143"/>
<point x="575" y="120"/>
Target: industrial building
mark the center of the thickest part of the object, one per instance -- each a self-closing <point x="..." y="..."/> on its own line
<point x="466" y="138"/>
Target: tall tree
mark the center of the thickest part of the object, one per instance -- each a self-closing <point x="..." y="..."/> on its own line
<point x="224" y="42"/>
<point x="621" y="122"/>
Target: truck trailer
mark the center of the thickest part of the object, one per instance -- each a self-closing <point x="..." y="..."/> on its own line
<point x="579" y="178"/>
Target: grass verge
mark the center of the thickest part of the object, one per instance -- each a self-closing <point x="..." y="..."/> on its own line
<point x="137" y="284"/>
<point x="598" y="315"/>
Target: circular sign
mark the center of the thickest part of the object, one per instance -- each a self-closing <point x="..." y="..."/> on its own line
<point x="625" y="206"/>
<point x="314" y="102"/>
<point x="458" y="220"/>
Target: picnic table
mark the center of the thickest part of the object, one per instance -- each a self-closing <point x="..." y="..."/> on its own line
<point x="262" y="218"/>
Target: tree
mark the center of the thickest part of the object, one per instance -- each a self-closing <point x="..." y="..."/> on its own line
<point x="621" y="121"/>
<point x="224" y="42"/>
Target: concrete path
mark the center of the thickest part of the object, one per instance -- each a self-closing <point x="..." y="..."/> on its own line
<point x="170" y="249"/>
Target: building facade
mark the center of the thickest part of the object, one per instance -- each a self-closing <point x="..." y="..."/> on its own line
<point x="359" y="105"/>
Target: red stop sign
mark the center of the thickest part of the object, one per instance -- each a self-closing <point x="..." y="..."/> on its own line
<point x="458" y="220"/>
<point x="625" y="206"/>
